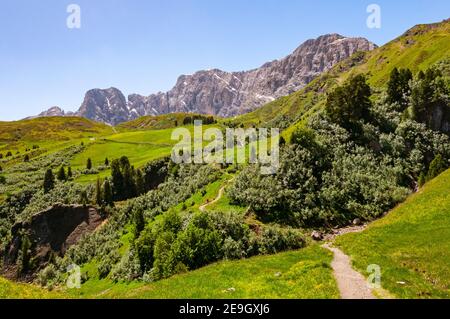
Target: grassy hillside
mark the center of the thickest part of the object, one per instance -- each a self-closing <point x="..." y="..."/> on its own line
<point x="12" y="290"/>
<point x="293" y="275"/>
<point x="51" y="128"/>
<point x="139" y="146"/>
<point x="411" y="244"/>
<point x="417" y="49"/>
<point x="297" y="274"/>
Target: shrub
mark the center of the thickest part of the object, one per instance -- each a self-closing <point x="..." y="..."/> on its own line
<point x="437" y="166"/>
<point x="48" y="276"/>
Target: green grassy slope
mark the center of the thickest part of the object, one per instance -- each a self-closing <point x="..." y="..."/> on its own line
<point x="51" y="128"/>
<point x="139" y="146"/>
<point x="411" y="244"/>
<point x="417" y="49"/>
<point x="298" y="274"/>
<point x="13" y="290"/>
<point x="50" y="134"/>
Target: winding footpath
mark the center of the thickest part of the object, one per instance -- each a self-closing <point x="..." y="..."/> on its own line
<point x="351" y="284"/>
<point x="219" y="196"/>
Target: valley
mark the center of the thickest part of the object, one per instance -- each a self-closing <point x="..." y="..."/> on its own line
<point x="365" y="140"/>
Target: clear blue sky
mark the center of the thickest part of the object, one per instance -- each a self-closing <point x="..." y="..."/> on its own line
<point x="142" y="46"/>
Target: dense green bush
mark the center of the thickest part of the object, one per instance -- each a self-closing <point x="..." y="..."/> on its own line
<point x="177" y="243"/>
<point x="357" y="159"/>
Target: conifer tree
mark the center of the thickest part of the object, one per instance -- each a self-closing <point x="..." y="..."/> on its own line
<point x="98" y="193"/>
<point x="61" y="176"/>
<point x="89" y="164"/>
<point x="49" y="181"/>
<point x="108" y="194"/>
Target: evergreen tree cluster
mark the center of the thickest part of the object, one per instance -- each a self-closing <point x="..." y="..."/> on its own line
<point x="191" y="119"/>
<point x="128" y="182"/>
<point x="398" y="88"/>
<point x="350" y="103"/>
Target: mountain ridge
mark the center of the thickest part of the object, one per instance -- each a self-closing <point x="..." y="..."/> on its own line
<point x="222" y="93"/>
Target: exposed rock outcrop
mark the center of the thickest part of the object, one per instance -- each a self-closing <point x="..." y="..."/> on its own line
<point x="107" y="106"/>
<point x="49" y="232"/>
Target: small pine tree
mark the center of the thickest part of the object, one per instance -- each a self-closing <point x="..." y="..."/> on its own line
<point x="49" y="181"/>
<point x="98" y="193"/>
<point x="129" y="184"/>
<point x="117" y="180"/>
<point x="139" y="222"/>
<point x="106" y="162"/>
<point x="282" y="141"/>
<point x="25" y="254"/>
<point x="61" y="176"/>
<point x="140" y="182"/>
<point x="84" y="200"/>
<point x="69" y="172"/>
<point x="398" y="87"/>
<point x="89" y="164"/>
<point x="1" y="169"/>
<point x="422" y="179"/>
<point x="108" y="194"/>
<point x="1" y="155"/>
<point x="26" y="158"/>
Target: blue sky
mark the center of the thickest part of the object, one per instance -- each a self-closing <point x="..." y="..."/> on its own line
<point x="142" y="46"/>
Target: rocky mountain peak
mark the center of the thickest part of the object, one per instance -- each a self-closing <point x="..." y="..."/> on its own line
<point x="227" y="94"/>
<point x="105" y="105"/>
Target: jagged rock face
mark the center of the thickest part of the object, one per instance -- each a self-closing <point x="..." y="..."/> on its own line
<point x="108" y="106"/>
<point x="227" y="94"/>
<point x="49" y="232"/>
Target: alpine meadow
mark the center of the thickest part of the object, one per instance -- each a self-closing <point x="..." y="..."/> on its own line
<point x="94" y="206"/>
